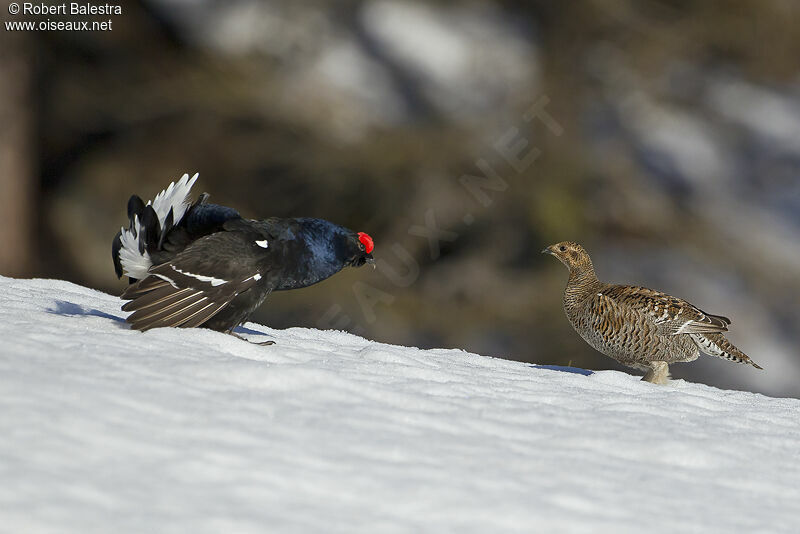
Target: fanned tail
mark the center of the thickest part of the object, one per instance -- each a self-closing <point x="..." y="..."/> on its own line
<point x="715" y="344"/>
<point x="149" y="225"/>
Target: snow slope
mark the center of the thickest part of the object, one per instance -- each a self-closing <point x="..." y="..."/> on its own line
<point x="103" y="429"/>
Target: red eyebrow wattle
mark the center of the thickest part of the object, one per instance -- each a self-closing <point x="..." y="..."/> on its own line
<point x="366" y="240"/>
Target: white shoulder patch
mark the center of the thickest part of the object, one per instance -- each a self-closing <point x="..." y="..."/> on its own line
<point x="263" y="243"/>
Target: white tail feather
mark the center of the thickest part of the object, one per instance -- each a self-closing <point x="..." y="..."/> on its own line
<point x="135" y="264"/>
<point x="175" y="196"/>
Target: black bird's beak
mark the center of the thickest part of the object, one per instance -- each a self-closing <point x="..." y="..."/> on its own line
<point x="370" y="260"/>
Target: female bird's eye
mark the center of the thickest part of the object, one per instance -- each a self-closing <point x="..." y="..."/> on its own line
<point x="562" y="248"/>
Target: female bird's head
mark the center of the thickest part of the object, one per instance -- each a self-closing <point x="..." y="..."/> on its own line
<point x="360" y="248"/>
<point x="570" y="254"/>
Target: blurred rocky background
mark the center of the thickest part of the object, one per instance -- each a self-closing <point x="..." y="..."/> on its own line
<point x="464" y="137"/>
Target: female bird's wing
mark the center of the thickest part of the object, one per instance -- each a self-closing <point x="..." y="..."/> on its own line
<point x="670" y="314"/>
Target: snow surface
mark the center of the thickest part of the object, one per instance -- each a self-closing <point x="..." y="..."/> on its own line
<point x="105" y="429"/>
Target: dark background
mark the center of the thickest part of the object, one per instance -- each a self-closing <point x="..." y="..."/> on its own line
<point x="670" y="149"/>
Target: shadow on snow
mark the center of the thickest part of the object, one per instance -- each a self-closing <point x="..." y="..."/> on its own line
<point x="564" y="369"/>
<point x="65" y="308"/>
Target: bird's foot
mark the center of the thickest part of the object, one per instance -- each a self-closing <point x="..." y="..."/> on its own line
<point x="262" y="343"/>
<point x="657" y="374"/>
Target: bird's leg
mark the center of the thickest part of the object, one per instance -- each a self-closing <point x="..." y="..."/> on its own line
<point x="658" y="373"/>
<point x="262" y="343"/>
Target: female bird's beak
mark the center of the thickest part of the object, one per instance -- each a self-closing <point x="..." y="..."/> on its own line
<point x="547" y="251"/>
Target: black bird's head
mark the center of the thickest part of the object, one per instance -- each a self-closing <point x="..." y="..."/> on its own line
<point x="315" y="249"/>
<point x="359" y="248"/>
<point x="332" y="246"/>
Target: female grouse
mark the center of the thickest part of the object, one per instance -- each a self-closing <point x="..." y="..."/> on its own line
<point x="636" y="326"/>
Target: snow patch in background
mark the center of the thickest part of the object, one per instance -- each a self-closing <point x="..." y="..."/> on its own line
<point x="465" y="58"/>
<point x="770" y="114"/>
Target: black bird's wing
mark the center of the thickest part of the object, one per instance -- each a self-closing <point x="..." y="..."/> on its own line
<point x="202" y="280"/>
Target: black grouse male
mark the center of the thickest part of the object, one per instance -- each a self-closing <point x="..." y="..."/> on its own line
<point x="205" y="265"/>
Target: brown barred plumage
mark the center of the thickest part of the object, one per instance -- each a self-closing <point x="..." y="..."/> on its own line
<point x="637" y="326"/>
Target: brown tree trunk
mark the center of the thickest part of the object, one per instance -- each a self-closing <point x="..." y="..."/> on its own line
<point x="17" y="223"/>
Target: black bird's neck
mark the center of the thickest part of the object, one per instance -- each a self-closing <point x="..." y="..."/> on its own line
<point x="314" y="252"/>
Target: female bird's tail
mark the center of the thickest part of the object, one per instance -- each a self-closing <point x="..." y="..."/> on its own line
<point x="715" y="344"/>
